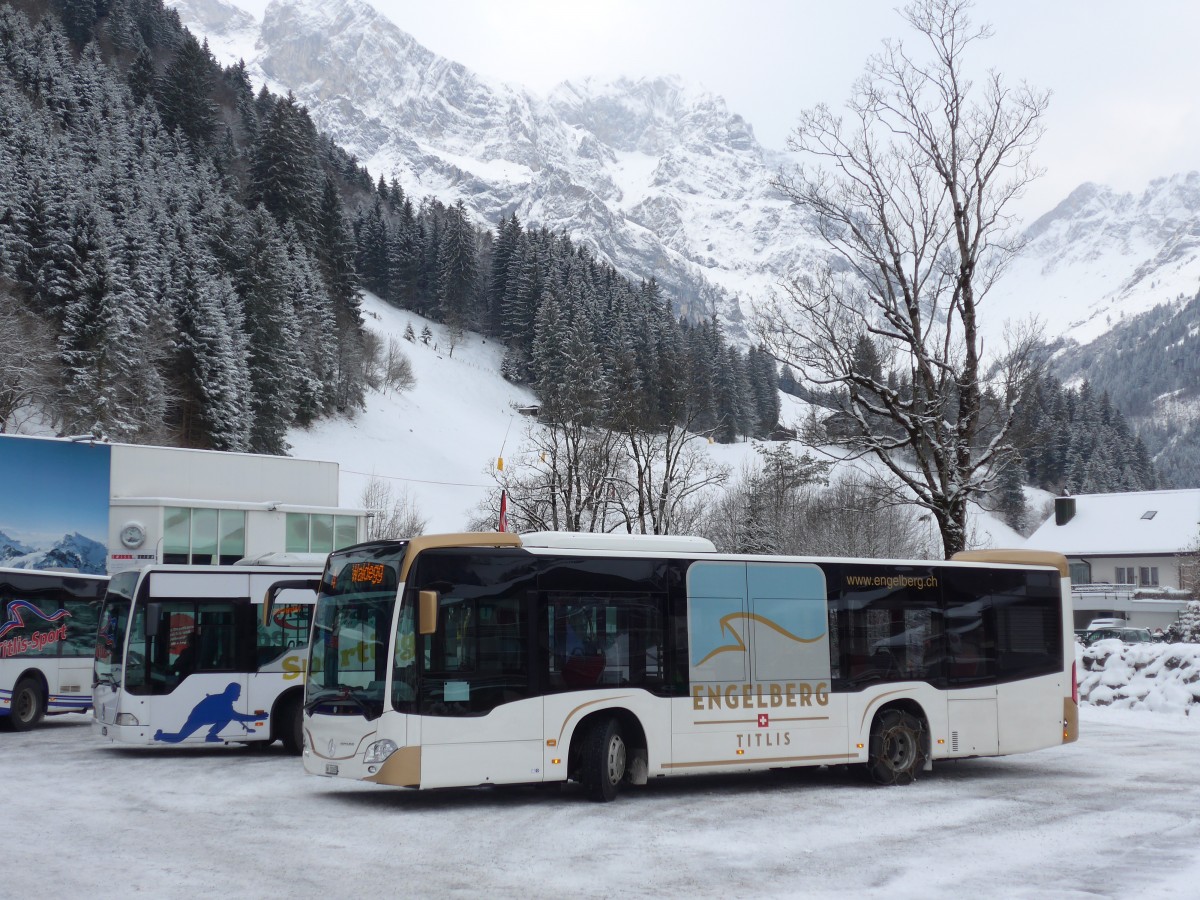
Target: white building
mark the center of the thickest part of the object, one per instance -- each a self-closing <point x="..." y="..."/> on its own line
<point x="106" y="507"/>
<point x="1129" y="553"/>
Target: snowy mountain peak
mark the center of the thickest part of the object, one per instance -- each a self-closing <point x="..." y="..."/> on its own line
<point x="650" y="115"/>
<point x="214" y="17"/>
<point x="660" y="178"/>
<point x="1101" y="256"/>
<point x="72" y="551"/>
<point x="10" y="548"/>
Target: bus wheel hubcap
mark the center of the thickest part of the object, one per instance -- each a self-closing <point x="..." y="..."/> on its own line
<point x="616" y="760"/>
<point x="898" y="749"/>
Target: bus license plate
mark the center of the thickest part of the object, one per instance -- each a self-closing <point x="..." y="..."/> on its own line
<point x="330" y="769"/>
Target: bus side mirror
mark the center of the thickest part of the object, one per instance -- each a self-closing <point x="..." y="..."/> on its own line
<point x="153" y="613"/>
<point x="428" y="601"/>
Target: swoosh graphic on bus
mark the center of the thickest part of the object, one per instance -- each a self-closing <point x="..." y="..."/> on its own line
<point x="15" y="620"/>
<point x="739" y="645"/>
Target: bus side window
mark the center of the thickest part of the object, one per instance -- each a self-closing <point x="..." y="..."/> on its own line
<point x="287" y="630"/>
<point x="599" y="639"/>
<point x="893" y="632"/>
<point x="970" y="648"/>
<point x="82" y="625"/>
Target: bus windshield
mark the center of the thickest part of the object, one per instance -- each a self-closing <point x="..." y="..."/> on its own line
<point x="348" y="655"/>
<point x="110" y="636"/>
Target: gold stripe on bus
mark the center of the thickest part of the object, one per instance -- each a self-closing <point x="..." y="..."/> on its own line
<point x="757" y="761"/>
<point x="1070" y="721"/>
<point x="569" y="715"/>
<point x="867" y="711"/>
<point x="1016" y="558"/>
<point x="467" y="539"/>
<point x="754" y="721"/>
<point x="739" y="645"/>
<point x="401" y="769"/>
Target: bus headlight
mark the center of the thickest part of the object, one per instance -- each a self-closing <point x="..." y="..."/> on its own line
<point x="127" y="719"/>
<point x="379" y="751"/>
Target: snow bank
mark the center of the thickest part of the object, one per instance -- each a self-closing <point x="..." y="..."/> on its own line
<point x="1155" y="677"/>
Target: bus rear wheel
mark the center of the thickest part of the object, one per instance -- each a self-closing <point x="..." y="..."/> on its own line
<point x="28" y="705"/>
<point x="603" y="760"/>
<point x="897" y="748"/>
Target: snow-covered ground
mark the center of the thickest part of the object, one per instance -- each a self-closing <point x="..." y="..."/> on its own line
<point x="1114" y="815"/>
<point x="439" y="441"/>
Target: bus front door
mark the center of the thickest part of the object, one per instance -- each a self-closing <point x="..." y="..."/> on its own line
<point x="197" y="690"/>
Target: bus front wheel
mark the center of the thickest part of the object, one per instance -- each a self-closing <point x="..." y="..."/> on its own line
<point x="603" y="760"/>
<point x="897" y="748"/>
<point x="28" y="705"/>
<point x="291" y="725"/>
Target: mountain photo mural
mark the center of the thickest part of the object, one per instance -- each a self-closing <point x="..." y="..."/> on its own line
<point x="54" y="515"/>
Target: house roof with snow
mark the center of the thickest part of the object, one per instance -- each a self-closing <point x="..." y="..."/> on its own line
<point x="1131" y="524"/>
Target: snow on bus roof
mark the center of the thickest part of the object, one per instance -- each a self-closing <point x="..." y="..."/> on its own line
<point x="652" y="543"/>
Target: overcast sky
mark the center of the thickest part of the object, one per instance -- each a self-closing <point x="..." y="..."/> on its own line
<point x="1125" y="76"/>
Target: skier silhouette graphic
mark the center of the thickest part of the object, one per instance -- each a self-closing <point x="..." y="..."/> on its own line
<point x="215" y="710"/>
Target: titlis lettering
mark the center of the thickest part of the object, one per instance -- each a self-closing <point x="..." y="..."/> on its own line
<point x="36" y="642"/>
<point x="764" y="739"/>
<point x="790" y="694"/>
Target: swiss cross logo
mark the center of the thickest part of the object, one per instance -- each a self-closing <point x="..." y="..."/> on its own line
<point x="764" y="720"/>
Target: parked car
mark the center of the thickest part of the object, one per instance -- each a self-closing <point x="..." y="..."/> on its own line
<point x="1126" y="635"/>
<point x="1106" y="623"/>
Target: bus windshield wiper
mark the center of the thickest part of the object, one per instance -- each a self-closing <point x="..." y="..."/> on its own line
<point x="346" y="696"/>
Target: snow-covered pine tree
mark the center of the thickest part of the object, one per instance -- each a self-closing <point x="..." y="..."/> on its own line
<point x="267" y="291"/>
<point x="456" y="269"/>
<point x="1186" y="628"/>
<point x="185" y="94"/>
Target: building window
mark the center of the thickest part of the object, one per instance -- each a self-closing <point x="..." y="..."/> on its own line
<point x="1148" y="576"/>
<point x="203" y="537"/>
<point x="1126" y="575"/>
<point x="1081" y="573"/>
<point x="319" y="532"/>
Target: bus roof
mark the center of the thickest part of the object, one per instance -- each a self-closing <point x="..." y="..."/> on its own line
<point x="1017" y="558"/>
<point x="652" y="543"/>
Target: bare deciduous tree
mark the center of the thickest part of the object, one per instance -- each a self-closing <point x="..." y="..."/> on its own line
<point x="27" y="364"/>
<point x="386" y="368"/>
<point x="394" y="515"/>
<point x="910" y="193"/>
<point x="566" y="479"/>
<point x="397" y="368"/>
<point x="782" y="504"/>
<point x="573" y="477"/>
<point x="664" y="478"/>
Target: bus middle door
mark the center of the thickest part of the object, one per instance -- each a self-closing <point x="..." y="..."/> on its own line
<point x="198" y="689"/>
<point x="798" y="717"/>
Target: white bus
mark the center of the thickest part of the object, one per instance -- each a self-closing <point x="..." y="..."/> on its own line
<point x="47" y="632"/>
<point x="473" y="659"/>
<point x="185" y="654"/>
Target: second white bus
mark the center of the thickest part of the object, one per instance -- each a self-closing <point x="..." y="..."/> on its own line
<point x="184" y="654"/>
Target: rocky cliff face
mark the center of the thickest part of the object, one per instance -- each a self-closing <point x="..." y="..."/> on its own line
<point x="1100" y="257"/>
<point x="657" y="178"/>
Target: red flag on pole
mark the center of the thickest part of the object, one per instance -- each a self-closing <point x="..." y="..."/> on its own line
<point x="503" y="511"/>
